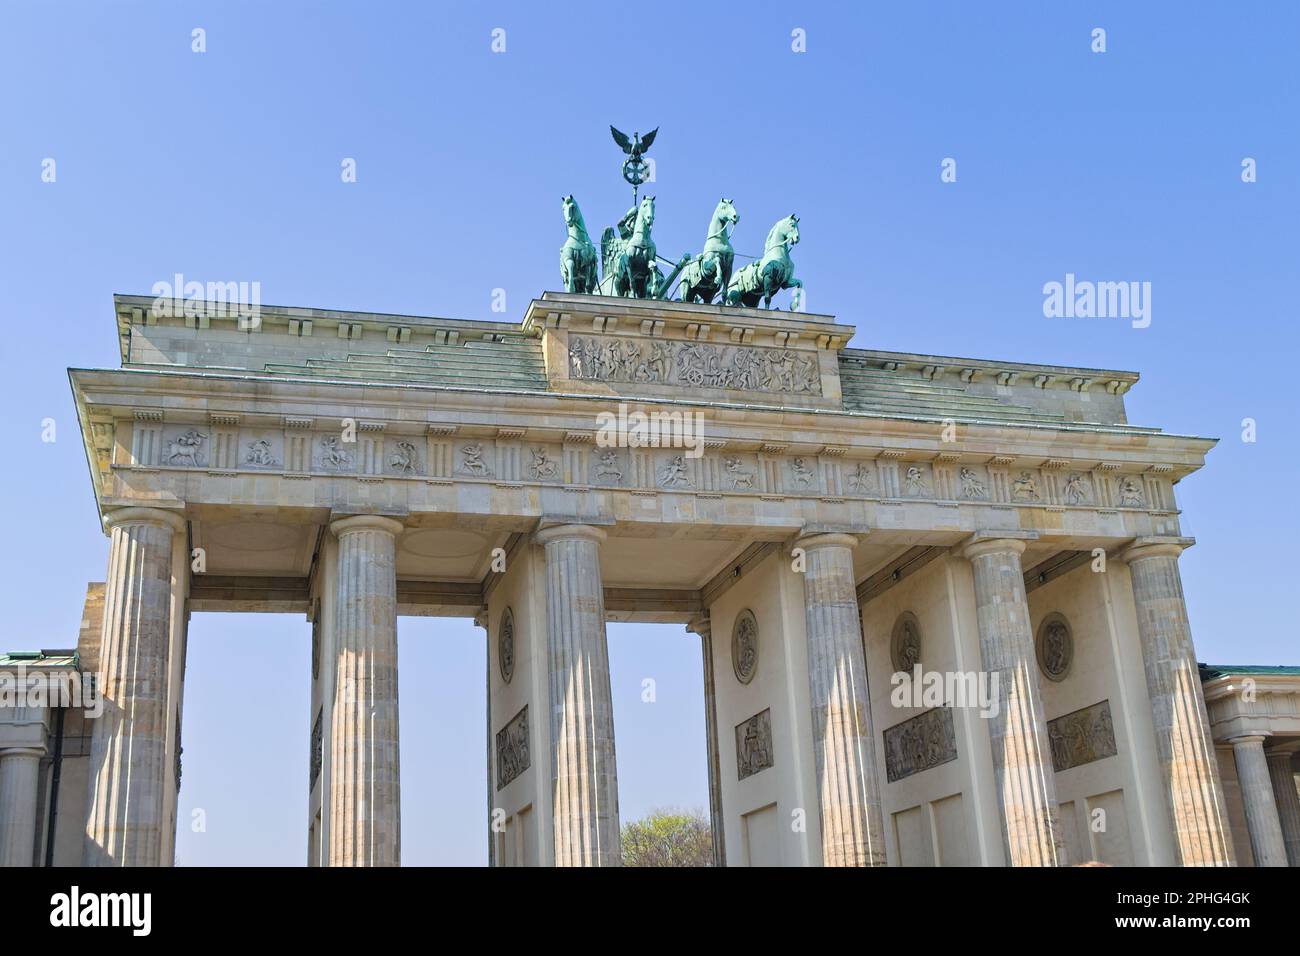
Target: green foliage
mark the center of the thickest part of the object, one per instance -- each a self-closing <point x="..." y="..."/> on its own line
<point x="668" y="838"/>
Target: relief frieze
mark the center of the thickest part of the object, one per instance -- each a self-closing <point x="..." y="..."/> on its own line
<point x="694" y="364"/>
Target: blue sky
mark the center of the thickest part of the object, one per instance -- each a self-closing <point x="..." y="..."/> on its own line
<point x="225" y="165"/>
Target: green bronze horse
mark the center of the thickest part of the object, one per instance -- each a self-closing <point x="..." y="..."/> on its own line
<point x="578" y="254"/>
<point x="709" y="273"/>
<point x="775" y="271"/>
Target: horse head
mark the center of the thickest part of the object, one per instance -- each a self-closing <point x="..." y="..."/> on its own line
<point x="784" y="234"/>
<point x="572" y="214"/>
<point x="645" y="217"/>
<point x="725" y="215"/>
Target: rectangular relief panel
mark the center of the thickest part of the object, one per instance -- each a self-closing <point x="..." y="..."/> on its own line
<point x="919" y="743"/>
<point x="1082" y="736"/>
<point x="513" y="755"/>
<point x="754" y="745"/>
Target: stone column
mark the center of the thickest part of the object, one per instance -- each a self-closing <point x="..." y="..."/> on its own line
<point x="704" y="627"/>
<point x="1193" y="791"/>
<point x="847" y="786"/>
<point x="1022" y="761"/>
<point x="1262" y="822"/>
<point x="365" y="792"/>
<point x="584" y="781"/>
<point x="1288" y="801"/>
<point x="19" y="780"/>
<point x="128" y="750"/>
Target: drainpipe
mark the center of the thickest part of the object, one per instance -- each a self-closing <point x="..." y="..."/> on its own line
<point x="54" y="785"/>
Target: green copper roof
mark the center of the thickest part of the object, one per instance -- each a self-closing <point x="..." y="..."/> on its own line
<point x="1211" y="671"/>
<point x="44" y="659"/>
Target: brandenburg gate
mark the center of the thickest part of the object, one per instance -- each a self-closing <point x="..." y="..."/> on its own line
<point x="822" y="517"/>
<point x="938" y="599"/>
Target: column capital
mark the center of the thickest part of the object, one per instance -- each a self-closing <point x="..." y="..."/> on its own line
<point x="124" y="517"/>
<point x="1249" y="739"/>
<point x="342" y="526"/>
<point x="991" y="542"/>
<point x="559" y="532"/>
<point x="22" y="752"/>
<point x="826" y="539"/>
<point x="1155" y="546"/>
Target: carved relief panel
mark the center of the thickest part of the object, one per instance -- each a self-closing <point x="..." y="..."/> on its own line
<point x="754" y="745"/>
<point x="513" y="754"/>
<point x="619" y="359"/>
<point x="1082" y="736"/>
<point x="920" y="743"/>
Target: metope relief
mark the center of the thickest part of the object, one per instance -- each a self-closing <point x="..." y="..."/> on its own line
<point x="543" y="464"/>
<point x="1130" y="492"/>
<point x="472" y="459"/>
<point x="185" y="448"/>
<point x="754" y="745"/>
<point x="915" y="482"/>
<point x="1077" y="490"/>
<point x="801" y="474"/>
<point x="920" y="743"/>
<point x="608" y="467"/>
<point x="973" y="487"/>
<point x="744" y="646"/>
<point x="1082" y="736"/>
<point x="261" y="450"/>
<point x="1024" y="487"/>
<point x="694" y="364"/>
<point x="331" y="453"/>
<point x="513" y="756"/>
<point x="403" y="458"/>
<point x="862" y="479"/>
<point x="737" y="475"/>
<point x="674" y="472"/>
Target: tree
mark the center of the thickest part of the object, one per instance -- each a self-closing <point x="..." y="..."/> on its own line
<point x="668" y="838"/>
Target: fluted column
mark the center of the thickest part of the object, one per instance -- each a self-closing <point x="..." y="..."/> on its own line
<point x="365" y="790"/>
<point x="128" y="750"/>
<point x="847" y="785"/>
<point x="1257" y="801"/>
<point x="704" y="628"/>
<point x="1287" y="800"/>
<point x="584" y="781"/>
<point x="1022" y="762"/>
<point x="19" y="779"/>
<point x="1193" y="792"/>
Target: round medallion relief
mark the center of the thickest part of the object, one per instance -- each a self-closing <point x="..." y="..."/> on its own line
<point x="1055" y="647"/>
<point x="506" y="645"/>
<point x="744" y="646"/>
<point x="905" y="643"/>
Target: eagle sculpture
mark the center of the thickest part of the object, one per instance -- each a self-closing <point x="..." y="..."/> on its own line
<point x="635" y="146"/>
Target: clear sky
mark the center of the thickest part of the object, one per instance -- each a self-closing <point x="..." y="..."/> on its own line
<point x="225" y="165"/>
